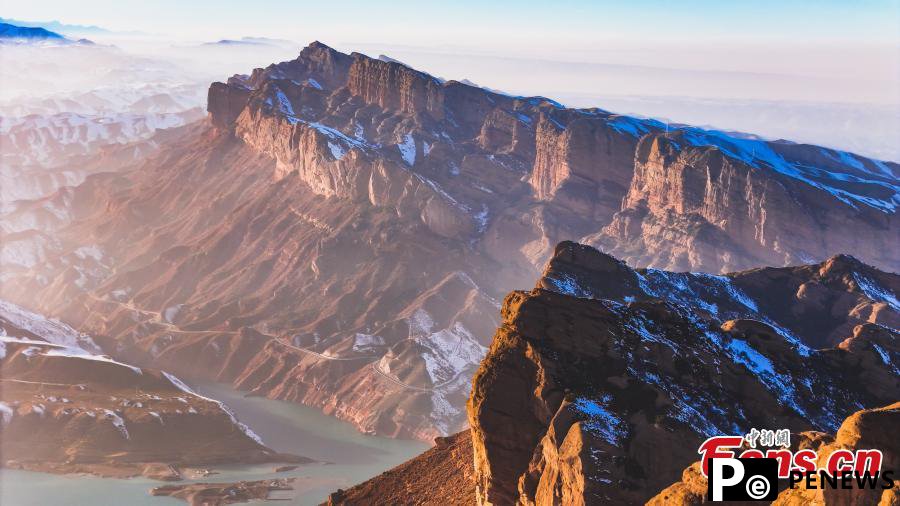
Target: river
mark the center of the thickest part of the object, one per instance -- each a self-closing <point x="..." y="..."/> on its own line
<point x="351" y="457"/>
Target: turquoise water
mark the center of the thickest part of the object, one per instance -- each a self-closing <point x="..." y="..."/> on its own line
<point x="286" y="427"/>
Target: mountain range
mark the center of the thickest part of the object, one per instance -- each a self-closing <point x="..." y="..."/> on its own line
<point x="355" y="235"/>
<point x="8" y="31"/>
<point x="341" y="231"/>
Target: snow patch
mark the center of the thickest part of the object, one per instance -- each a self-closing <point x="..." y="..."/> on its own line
<point x="337" y="151"/>
<point x="450" y="352"/>
<point x="6" y="414"/>
<point x="117" y="422"/>
<point x="186" y="389"/>
<point x="408" y="149"/>
<point x="566" y="284"/>
<point x="50" y="329"/>
<point x="876" y="292"/>
<point x="365" y="341"/>
<point x="60" y="351"/>
<point x="601" y="421"/>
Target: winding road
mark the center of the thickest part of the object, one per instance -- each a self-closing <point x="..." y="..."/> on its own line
<point x="157" y="318"/>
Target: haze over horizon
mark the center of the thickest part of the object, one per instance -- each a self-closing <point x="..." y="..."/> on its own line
<point x="831" y="41"/>
<point x="827" y="74"/>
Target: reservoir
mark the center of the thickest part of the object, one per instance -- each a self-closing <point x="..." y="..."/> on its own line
<point x="345" y="457"/>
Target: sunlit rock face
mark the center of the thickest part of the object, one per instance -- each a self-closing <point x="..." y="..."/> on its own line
<point x="612" y="376"/>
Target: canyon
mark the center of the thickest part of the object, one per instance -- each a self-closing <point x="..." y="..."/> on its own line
<point x="341" y="230"/>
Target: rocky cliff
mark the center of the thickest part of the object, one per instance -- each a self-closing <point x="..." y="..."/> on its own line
<point x="612" y="377"/>
<point x="340" y="232"/>
<point x="699" y="201"/>
<point x="603" y="380"/>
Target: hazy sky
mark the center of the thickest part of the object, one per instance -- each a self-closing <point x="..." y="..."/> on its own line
<point x="574" y="30"/>
<point x="523" y="23"/>
<point x="812" y="70"/>
<point x="853" y="44"/>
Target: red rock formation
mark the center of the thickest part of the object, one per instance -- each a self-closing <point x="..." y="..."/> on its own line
<point x="396" y="87"/>
<point x="602" y="382"/>
<point x="696" y="208"/>
<point x="338" y="204"/>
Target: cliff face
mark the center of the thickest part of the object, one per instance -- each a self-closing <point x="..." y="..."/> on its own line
<point x="395" y="87"/>
<point x="606" y="372"/>
<point x="696" y="205"/>
<point x="584" y="167"/>
<point x="340" y="232"/>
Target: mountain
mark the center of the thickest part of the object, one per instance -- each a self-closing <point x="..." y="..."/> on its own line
<point x="613" y="376"/>
<point x="441" y="475"/>
<point x="58" y="124"/>
<point x="58" y="27"/>
<point x="579" y="165"/>
<point x="42" y="153"/>
<point x="66" y="407"/>
<point x="254" y="41"/>
<point x="700" y="200"/>
<point x="13" y="32"/>
<point x="340" y="231"/>
<point x="603" y="380"/>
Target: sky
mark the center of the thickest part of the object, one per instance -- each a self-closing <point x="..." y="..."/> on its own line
<point x="808" y="37"/>
<point x="520" y="24"/>
<point x="578" y="51"/>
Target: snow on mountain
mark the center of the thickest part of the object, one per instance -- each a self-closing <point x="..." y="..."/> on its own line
<point x="50" y="140"/>
<point x="838" y="183"/>
<point x="49" y="329"/>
